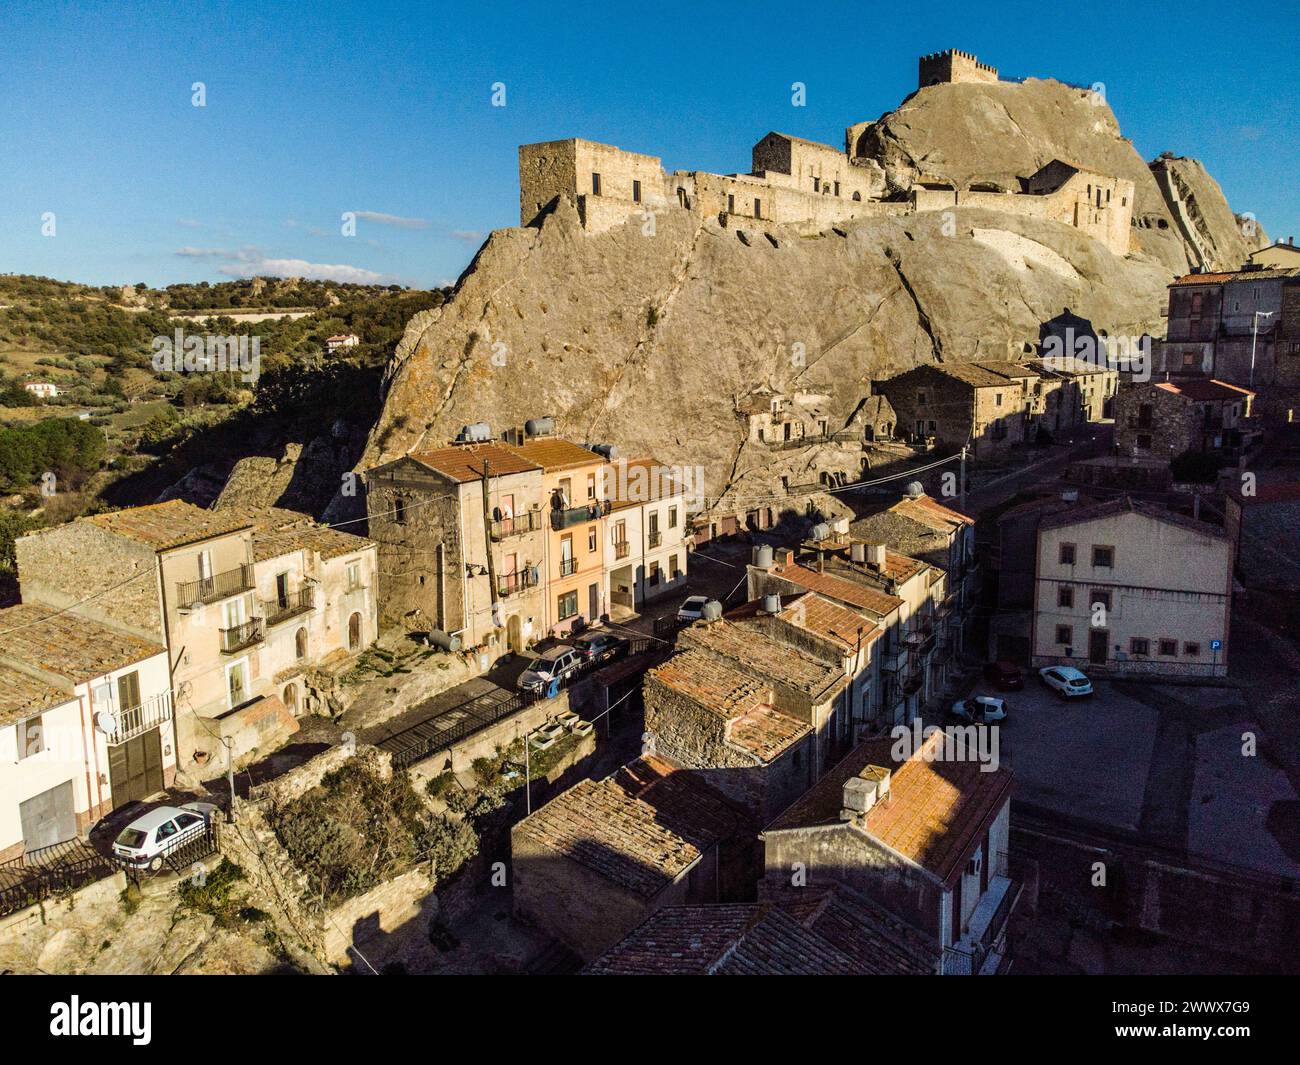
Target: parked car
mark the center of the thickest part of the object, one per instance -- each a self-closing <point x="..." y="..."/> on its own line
<point x="979" y="709"/>
<point x="1005" y="676"/>
<point x="601" y="646"/>
<point x="1068" y="682"/>
<point x="548" y="668"/>
<point x="692" y="609"/>
<point x="147" y="840"/>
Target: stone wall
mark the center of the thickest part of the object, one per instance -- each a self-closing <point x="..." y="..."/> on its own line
<point x="404" y="904"/>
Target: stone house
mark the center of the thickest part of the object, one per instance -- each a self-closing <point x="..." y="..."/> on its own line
<point x="598" y="859"/>
<point x="753" y="736"/>
<point x="85" y="725"/>
<point x="1107" y="598"/>
<point x="830" y="931"/>
<point x="922" y="528"/>
<point x="462" y="543"/>
<point x="987" y="406"/>
<point x="904" y="597"/>
<point x="1168" y="419"/>
<point x="1265" y="526"/>
<point x="921" y="833"/>
<point x="188" y="578"/>
<point x="645" y="531"/>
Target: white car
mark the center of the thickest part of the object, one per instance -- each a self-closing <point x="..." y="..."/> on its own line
<point x="147" y="840"/>
<point x="693" y="608"/>
<point x="980" y="709"/>
<point x="1068" y="682"/>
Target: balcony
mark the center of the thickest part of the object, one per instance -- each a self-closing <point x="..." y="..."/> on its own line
<point x="290" y="606"/>
<point x="622" y="549"/>
<point x="892" y="658"/>
<point x="509" y="584"/>
<point x="654" y="538"/>
<point x="568" y="567"/>
<point x="518" y="525"/>
<point x="982" y="949"/>
<point x="241" y="636"/>
<point x="137" y="720"/>
<point x="566" y="519"/>
<point x="215" y="588"/>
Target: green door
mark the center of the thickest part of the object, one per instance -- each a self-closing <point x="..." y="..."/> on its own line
<point x="135" y="768"/>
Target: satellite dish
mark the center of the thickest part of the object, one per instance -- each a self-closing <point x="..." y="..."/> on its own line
<point x="106" y="722"/>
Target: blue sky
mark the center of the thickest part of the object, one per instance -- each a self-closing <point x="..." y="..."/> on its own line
<point x="314" y="109"/>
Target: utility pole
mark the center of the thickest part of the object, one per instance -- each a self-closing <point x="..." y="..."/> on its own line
<point x="961" y="479"/>
<point x="230" y="777"/>
<point x="487" y="537"/>
<point x="1254" y="337"/>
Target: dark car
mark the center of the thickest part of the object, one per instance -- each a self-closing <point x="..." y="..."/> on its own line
<point x="601" y="646"/>
<point x="1004" y="676"/>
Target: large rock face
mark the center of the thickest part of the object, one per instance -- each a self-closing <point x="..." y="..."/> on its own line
<point x="651" y="341"/>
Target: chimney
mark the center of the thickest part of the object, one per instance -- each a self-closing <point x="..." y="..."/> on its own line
<point x="784" y="556"/>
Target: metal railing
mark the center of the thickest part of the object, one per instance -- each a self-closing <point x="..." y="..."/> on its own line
<point x="137" y="720"/>
<point x="622" y="549"/>
<point x="654" y="538"/>
<point x="218" y="586"/>
<point x="514" y="583"/>
<point x="516" y="525"/>
<point x="298" y="602"/>
<point x="36" y="875"/>
<point x="568" y="566"/>
<point x="178" y="858"/>
<point x="241" y="636"/>
<point x="565" y="519"/>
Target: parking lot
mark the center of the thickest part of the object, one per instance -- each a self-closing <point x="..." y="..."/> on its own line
<point x="1167" y="762"/>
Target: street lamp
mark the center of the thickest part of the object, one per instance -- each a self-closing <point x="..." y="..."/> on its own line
<point x="1254" y="336"/>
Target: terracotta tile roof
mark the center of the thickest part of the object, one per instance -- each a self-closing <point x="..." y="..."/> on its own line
<point x="813" y="932"/>
<point x="328" y="543"/>
<point x="937" y="810"/>
<point x="840" y="589"/>
<point x="929" y="511"/>
<point x="626" y="483"/>
<point x="640" y="829"/>
<point x="554" y="453"/>
<point x="169" y="524"/>
<point x="765" y="732"/>
<point x="713" y="683"/>
<point x="465" y="462"/>
<point x="977" y="375"/>
<point x="1203" y="279"/>
<point x="1077" y="515"/>
<point x="757" y="654"/>
<point x="23" y="696"/>
<point x="67" y="645"/>
<point x="819" y="615"/>
<point x="1204" y="391"/>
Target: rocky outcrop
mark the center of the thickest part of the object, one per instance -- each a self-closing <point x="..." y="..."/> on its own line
<point x="1215" y="238"/>
<point x="650" y="337"/>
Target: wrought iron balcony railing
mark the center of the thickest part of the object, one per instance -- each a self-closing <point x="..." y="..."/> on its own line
<point x="622" y="549"/>
<point x="137" y="720"/>
<point x="517" y="525"/>
<point x="565" y="519"/>
<point x="655" y="538"/>
<point x="290" y="606"/>
<point x="241" y="636"/>
<point x="509" y="584"/>
<point x="211" y="589"/>
<point x="568" y="567"/>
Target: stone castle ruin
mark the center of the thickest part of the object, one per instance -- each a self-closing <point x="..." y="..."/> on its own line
<point x="810" y="186"/>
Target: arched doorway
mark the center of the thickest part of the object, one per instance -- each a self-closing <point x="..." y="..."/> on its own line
<point x="290" y="697"/>
<point x="300" y="644"/>
<point x="515" y="634"/>
<point x="354" y="632"/>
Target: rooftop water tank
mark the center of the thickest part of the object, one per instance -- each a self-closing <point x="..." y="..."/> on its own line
<point x="763" y="556"/>
<point x="712" y="610"/>
<point x="608" y="451"/>
<point x="441" y="639"/>
<point x="475" y="433"/>
<point x="821" y="531"/>
<point x="539" y="426"/>
<point x="771" y="604"/>
<point x="914" y="490"/>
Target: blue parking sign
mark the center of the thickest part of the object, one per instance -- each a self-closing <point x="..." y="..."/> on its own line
<point x="1216" y="645"/>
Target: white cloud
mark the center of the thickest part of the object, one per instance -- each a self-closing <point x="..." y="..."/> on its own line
<point x="396" y="221"/>
<point x="469" y="236"/>
<point x="252" y="262"/>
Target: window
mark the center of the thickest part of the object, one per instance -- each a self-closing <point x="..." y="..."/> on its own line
<point x="758" y="208"/>
<point x="31" y="737"/>
<point x="1103" y="557"/>
<point x="1100" y="595"/>
<point x="595" y="184"/>
<point x="591" y="486"/>
<point x="591" y="538"/>
<point x="300" y="644"/>
<point x="636" y="192"/>
<point x="1065" y="635"/>
<point x="1169" y="648"/>
<point x="237" y="683"/>
<point x="399" y="510"/>
<point x="672" y="567"/>
<point x="567" y="605"/>
<point x="731" y="203"/>
<point x="920" y="397"/>
<point x="1192" y="650"/>
<point x="997" y="399"/>
<point x="353" y="572"/>
<point x="817" y="184"/>
<point x="1138" y="646"/>
<point x="1066" y="556"/>
<point x="672" y="517"/>
<point x="837" y="188"/>
<point x="1064" y="595"/>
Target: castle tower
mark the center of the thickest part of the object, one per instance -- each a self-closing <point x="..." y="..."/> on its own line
<point x="951" y="67"/>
